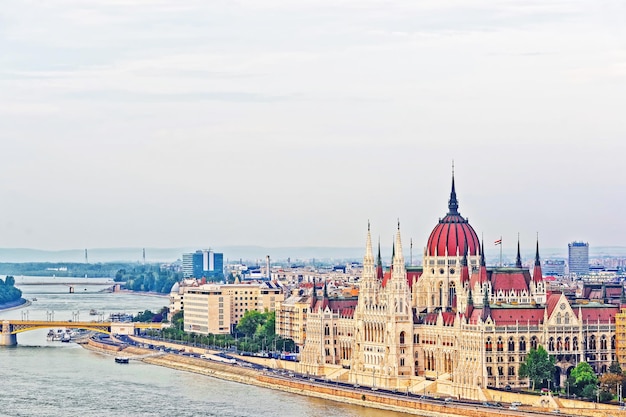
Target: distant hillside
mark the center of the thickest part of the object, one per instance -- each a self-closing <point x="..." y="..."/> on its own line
<point x="258" y="253"/>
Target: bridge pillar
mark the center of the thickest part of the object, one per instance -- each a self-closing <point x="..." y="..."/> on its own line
<point x="6" y="338"/>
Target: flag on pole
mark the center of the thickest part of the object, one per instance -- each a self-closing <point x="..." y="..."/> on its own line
<point x="498" y="242"/>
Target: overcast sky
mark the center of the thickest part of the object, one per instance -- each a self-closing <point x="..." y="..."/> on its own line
<point x="291" y="123"/>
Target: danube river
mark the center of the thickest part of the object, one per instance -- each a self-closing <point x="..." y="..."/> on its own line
<point x="41" y="378"/>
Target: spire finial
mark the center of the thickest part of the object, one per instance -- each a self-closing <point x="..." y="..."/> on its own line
<point x="518" y="260"/>
<point x="398" y="223"/>
<point x="482" y="252"/>
<point x="368" y="225"/>
<point x="537" y="260"/>
<point x="453" y="204"/>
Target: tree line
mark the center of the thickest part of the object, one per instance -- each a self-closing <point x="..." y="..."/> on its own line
<point x="8" y="292"/>
<point x="255" y="333"/>
<point x="148" y="278"/>
<point x="582" y="381"/>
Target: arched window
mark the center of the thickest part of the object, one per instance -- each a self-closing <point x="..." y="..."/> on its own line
<point x="592" y="342"/>
<point x="488" y="344"/>
<point x="500" y="344"/>
<point x="511" y="371"/>
<point x="533" y="342"/>
<point x="559" y="344"/>
<point x="522" y="344"/>
<point x="613" y="342"/>
<point x="575" y="343"/>
<point x="401" y="338"/>
<point x="511" y="345"/>
<point x="558" y="318"/>
<point x="551" y="344"/>
<point x="603" y="342"/>
<point x="566" y="318"/>
<point x="401" y="361"/>
<point x="567" y="346"/>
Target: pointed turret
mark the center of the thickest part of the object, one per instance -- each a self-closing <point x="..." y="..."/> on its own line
<point x="482" y="270"/>
<point x="368" y="260"/>
<point x="465" y="277"/>
<point x="537" y="272"/>
<point x="518" y="259"/>
<point x="379" y="266"/>
<point x="453" y="204"/>
<point x="482" y="253"/>
<point x="399" y="270"/>
<point x="486" y="309"/>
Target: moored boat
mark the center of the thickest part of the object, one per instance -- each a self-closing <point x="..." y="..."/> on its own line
<point x="121" y="359"/>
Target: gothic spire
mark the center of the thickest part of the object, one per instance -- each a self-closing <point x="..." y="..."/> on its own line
<point x="537" y="273"/>
<point x="537" y="260"/>
<point x="518" y="260"/>
<point x="453" y="204"/>
<point x="482" y="253"/>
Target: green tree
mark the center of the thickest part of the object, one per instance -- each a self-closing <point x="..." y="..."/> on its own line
<point x="538" y="366"/>
<point x="250" y="322"/>
<point x="268" y="329"/>
<point x="583" y="375"/>
<point x="615" y="368"/>
<point x="589" y="392"/>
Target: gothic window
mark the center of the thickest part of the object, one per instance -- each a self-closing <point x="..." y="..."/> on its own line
<point x="551" y="344"/>
<point x="489" y="372"/>
<point x="613" y="342"/>
<point x="488" y="344"/>
<point x="566" y="318"/>
<point x="533" y="342"/>
<point x="567" y="346"/>
<point x="401" y="361"/>
<point x="511" y="345"/>
<point x="558" y="318"/>
<point x="511" y="371"/>
<point x="575" y="343"/>
<point x="500" y="371"/>
<point x="326" y="331"/>
<point x="559" y="344"/>
<point x="522" y="344"/>
<point x="592" y="342"/>
<point x="401" y="338"/>
<point x="500" y="345"/>
<point x="603" y="342"/>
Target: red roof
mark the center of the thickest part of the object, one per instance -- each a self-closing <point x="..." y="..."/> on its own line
<point x="510" y="280"/>
<point x="409" y="277"/>
<point x="513" y="316"/>
<point x="606" y="314"/>
<point x="451" y="236"/>
<point x="552" y="301"/>
<point x="336" y="304"/>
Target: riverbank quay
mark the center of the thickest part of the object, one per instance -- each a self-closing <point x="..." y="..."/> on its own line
<point x="318" y="388"/>
<point x="14" y="305"/>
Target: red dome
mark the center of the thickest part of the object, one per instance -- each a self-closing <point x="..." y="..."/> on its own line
<point x="453" y="234"/>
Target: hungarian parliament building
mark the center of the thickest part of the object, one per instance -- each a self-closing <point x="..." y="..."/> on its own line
<point x="452" y="325"/>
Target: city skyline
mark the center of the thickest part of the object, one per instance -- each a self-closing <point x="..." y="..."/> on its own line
<point x="186" y="124"/>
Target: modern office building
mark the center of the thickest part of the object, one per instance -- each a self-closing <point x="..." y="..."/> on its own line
<point x="578" y="258"/>
<point x="203" y="264"/>
<point x="217" y="309"/>
<point x="553" y="267"/>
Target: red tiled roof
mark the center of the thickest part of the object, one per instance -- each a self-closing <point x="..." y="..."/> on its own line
<point x="507" y="281"/>
<point x="606" y="314"/>
<point x="552" y="301"/>
<point x="512" y="316"/>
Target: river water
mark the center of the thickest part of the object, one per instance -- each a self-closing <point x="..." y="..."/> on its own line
<point x="41" y="378"/>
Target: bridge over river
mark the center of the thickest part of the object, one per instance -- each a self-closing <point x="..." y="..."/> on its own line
<point x="10" y="328"/>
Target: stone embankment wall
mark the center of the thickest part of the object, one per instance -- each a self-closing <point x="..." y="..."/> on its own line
<point x="363" y="398"/>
